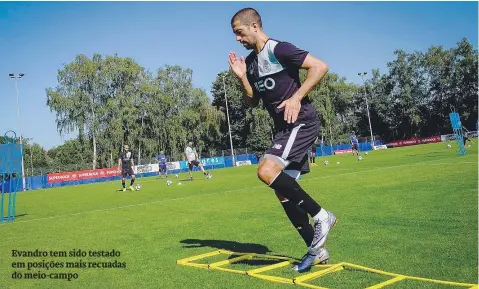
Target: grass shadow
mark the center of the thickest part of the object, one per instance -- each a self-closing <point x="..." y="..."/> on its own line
<point x="234" y="246"/>
<point x="226" y="245"/>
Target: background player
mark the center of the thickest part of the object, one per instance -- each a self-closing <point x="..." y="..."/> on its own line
<point x="271" y="73"/>
<point x="125" y="162"/>
<point x="161" y="158"/>
<point x="354" y="143"/>
<point x="193" y="160"/>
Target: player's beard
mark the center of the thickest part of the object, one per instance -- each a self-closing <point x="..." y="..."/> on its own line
<point x="247" y="45"/>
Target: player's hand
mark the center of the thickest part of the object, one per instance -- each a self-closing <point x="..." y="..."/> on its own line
<point x="291" y="109"/>
<point x="238" y="66"/>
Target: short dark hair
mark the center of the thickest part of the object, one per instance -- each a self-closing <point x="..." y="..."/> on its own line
<point x="247" y="16"/>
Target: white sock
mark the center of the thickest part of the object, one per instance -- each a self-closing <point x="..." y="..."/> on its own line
<point x="321" y="216"/>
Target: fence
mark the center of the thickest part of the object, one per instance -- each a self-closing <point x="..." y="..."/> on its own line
<point x="149" y="159"/>
<point x="30" y="170"/>
<point x="327" y="150"/>
<point x="74" y="178"/>
<point x="452" y="137"/>
<point x="42" y="181"/>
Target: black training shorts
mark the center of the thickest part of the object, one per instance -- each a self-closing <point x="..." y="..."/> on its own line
<point x="127" y="171"/>
<point x="193" y="163"/>
<point x="294" y="143"/>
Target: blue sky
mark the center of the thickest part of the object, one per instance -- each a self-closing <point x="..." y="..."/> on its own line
<point x="37" y="38"/>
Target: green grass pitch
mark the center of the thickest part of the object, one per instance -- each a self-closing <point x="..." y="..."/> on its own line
<point x="410" y="210"/>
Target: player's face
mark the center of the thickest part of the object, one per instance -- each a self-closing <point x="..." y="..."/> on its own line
<point x="244" y="34"/>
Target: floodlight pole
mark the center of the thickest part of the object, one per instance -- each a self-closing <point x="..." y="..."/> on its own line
<point x="229" y="126"/>
<point x="362" y="74"/>
<point x="16" y="77"/>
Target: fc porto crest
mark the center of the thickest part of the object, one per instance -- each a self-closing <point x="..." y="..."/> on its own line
<point x="266" y="66"/>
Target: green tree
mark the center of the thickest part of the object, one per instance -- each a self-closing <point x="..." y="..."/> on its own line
<point x="76" y="99"/>
<point x="237" y="109"/>
<point x="260" y="130"/>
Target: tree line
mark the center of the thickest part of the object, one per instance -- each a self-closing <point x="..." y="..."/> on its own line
<point x="111" y="101"/>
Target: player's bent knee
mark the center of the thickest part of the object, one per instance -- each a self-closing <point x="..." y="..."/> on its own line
<point x="267" y="171"/>
<point x="263" y="173"/>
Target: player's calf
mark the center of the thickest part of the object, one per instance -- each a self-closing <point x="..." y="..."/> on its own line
<point x="123" y="184"/>
<point x="132" y="180"/>
<point x="298" y="218"/>
<point x="278" y="180"/>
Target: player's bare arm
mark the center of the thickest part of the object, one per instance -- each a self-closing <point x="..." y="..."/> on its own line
<point x="317" y="69"/>
<point x="238" y="66"/>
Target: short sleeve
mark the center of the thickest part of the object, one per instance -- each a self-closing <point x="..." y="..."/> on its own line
<point x="289" y="55"/>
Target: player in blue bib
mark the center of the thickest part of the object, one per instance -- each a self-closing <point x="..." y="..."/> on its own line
<point x="354" y="143"/>
<point x="161" y="158"/>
